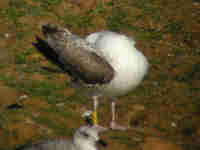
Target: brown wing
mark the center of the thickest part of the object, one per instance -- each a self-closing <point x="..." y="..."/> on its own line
<point x="71" y="54"/>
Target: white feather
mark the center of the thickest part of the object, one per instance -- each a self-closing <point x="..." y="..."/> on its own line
<point x="130" y="64"/>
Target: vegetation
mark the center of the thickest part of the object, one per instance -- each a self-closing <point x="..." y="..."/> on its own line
<point x="167" y="32"/>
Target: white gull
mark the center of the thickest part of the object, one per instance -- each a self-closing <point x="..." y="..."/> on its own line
<point x="106" y="62"/>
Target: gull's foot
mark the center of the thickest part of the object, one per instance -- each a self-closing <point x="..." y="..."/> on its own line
<point x="115" y="126"/>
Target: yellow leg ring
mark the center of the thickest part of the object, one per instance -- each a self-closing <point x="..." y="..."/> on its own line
<point x="94" y="118"/>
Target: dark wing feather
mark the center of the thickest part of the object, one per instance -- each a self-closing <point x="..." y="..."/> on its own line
<point x="56" y="144"/>
<point x="43" y="47"/>
<point x="67" y="52"/>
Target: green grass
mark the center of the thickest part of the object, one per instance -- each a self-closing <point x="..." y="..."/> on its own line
<point x="49" y="2"/>
<point x="142" y="3"/>
<point x="20" y="59"/>
<point x="22" y="34"/>
<point x="174" y="27"/>
<point x="14" y="14"/>
<point x="4" y="121"/>
<point x="126" y="140"/>
<point x="158" y="127"/>
<point x="33" y="66"/>
<point x="60" y="111"/>
<point x="189" y="75"/>
<point x="36" y="11"/>
<point x="100" y="9"/>
<point x="53" y="124"/>
<point x="4" y="65"/>
<point x="45" y="89"/>
<point x="19" y="8"/>
<point x="15" y="10"/>
<point x="148" y="9"/>
<point x="154" y="61"/>
<point x="155" y="24"/>
<point x="116" y="20"/>
<point x="149" y="34"/>
<point x="77" y="21"/>
<point x="36" y="88"/>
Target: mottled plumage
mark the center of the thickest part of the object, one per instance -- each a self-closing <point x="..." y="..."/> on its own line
<point x="85" y="138"/>
<point x="74" y="55"/>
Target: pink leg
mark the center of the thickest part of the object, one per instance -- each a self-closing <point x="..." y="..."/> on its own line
<point x="113" y="124"/>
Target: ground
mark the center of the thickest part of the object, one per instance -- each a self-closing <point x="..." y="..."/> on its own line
<point x="36" y="99"/>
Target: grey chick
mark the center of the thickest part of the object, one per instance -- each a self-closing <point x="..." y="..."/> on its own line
<point x="85" y="138"/>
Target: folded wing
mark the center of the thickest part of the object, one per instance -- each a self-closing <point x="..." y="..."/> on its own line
<point x="71" y="54"/>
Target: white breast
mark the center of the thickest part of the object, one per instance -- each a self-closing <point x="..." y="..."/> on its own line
<point x="130" y="65"/>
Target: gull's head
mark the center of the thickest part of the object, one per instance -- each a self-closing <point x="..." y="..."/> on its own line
<point x="55" y="35"/>
<point x="48" y="29"/>
<point x="87" y="137"/>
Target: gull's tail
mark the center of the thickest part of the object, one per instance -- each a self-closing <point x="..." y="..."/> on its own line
<point x="43" y="47"/>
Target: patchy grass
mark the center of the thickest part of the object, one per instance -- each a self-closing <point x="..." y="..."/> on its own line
<point x="164" y="31"/>
<point x="174" y="27"/>
<point x="36" y="88"/>
<point x="117" y="20"/>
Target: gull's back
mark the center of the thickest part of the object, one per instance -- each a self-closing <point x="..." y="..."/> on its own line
<point x="74" y="55"/>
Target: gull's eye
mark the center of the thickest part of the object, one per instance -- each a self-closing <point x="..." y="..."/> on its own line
<point x="85" y="134"/>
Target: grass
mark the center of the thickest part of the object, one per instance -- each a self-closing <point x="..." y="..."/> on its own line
<point x="174" y="27"/>
<point x="49" y="2"/>
<point x="15" y="10"/>
<point x="28" y="62"/>
<point x="156" y="25"/>
<point x="78" y="21"/>
<point x="19" y="8"/>
<point x="157" y="126"/>
<point x="4" y="122"/>
<point x="36" y="88"/>
<point x="4" y="65"/>
<point x="53" y="124"/>
<point x="117" y="19"/>
<point x="124" y="140"/>
<point x="60" y="111"/>
<point x="149" y="34"/>
<point x="190" y="75"/>
<point x="99" y="9"/>
<point x="20" y="58"/>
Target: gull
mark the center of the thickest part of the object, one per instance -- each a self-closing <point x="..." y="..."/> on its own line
<point x="85" y="138"/>
<point x="106" y="62"/>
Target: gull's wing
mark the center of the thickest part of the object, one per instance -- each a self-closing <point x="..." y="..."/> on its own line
<point x="74" y="55"/>
<point x="57" y="144"/>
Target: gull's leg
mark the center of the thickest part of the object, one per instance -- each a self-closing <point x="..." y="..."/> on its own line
<point x="91" y="116"/>
<point x="113" y="124"/>
<point x="94" y="114"/>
